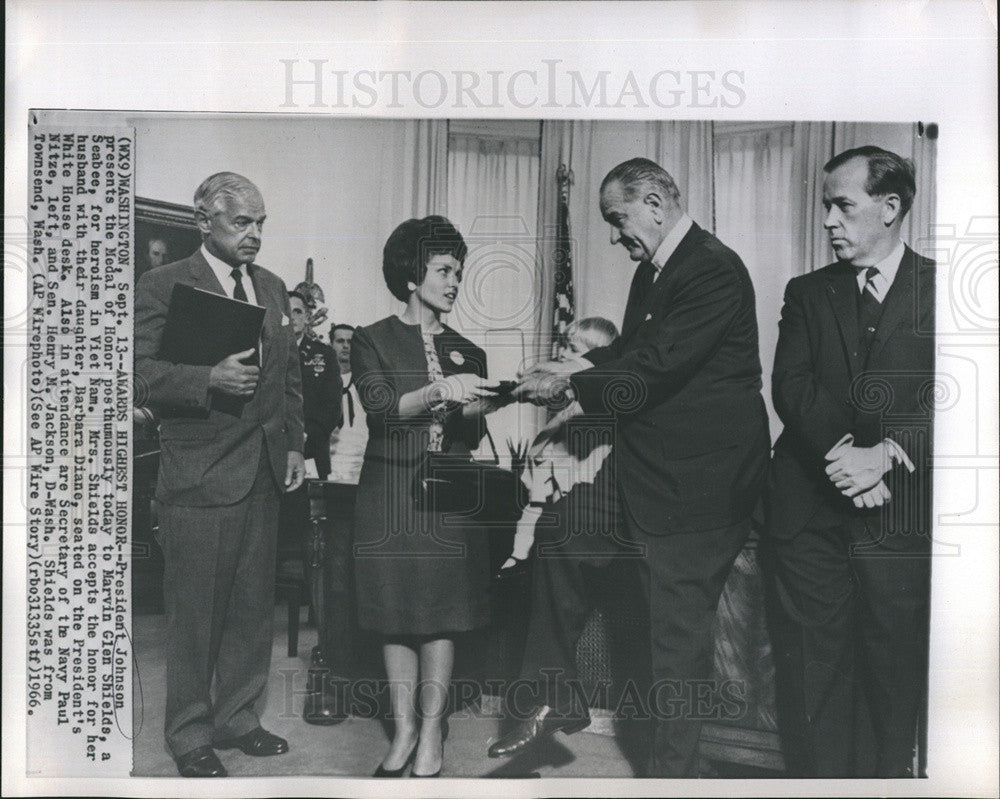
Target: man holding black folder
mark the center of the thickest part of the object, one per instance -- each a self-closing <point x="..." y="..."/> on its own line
<point x="231" y="441"/>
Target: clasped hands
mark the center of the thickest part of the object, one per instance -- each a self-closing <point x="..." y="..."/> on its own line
<point x="857" y="472"/>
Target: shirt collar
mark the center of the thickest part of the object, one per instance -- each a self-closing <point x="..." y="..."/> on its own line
<point x="887" y="267"/>
<point x="221" y="268"/>
<point x="670" y="242"/>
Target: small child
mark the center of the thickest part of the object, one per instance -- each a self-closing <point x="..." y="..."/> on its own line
<point x="551" y="470"/>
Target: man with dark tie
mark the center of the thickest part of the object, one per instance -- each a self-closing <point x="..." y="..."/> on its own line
<point x="681" y="390"/>
<point x="219" y="484"/>
<point x="849" y="491"/>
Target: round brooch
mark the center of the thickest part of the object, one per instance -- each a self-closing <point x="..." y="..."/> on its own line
<point x="457" y="358"/>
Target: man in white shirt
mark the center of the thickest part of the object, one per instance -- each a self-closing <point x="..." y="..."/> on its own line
<point x="347" y="445"/>
<point x="849" y="492"/>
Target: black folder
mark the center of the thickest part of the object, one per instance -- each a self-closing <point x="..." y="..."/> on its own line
<point x="203" y="328"/>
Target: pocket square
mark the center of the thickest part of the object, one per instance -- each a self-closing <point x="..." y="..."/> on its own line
<point x="284" y="320"/>
<point x="649" y="316"/>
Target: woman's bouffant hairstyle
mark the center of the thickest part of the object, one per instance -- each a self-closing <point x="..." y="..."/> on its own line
<point x="411" y="246"/>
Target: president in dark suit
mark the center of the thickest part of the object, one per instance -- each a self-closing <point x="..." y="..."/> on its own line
<point x="849" y="491"/>
<point x="681" y="387"/>
<point x="219" y="484"/>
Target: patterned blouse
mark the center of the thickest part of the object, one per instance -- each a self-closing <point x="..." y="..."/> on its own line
<point x="438" y="413"/>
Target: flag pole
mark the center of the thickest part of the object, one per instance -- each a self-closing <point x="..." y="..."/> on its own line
<point x="564" y="307"/>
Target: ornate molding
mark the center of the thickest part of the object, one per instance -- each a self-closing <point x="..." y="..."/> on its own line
<point x="159" y="212"/>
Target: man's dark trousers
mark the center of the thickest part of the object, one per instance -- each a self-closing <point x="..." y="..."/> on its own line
<point x="220" y="559"/>
<point x="855" y="643"/>
<point x="681" y="578"/>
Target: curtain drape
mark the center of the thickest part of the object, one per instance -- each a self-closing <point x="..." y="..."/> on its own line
<point x="760" y="225"/>
<point x="769" y="209"/>
<point x="923" y="215"/>
<point x="684" y="149"/>
<point x="813" y="146"/>
<point x="493" y="200"/>
<point x="422" y="182"/>
<point x="413" y="183"/>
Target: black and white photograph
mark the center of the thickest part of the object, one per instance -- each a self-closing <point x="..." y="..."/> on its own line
<point x="463" y="439"/>
<point x="652" y="570"/>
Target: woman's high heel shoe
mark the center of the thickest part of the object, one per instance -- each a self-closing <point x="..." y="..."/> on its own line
<point x="444" y="737"/>
<point x="396" y="772"/>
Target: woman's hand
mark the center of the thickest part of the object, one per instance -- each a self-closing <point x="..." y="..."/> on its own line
<point x="462" y="389"/>
<point x="567" y="367"/>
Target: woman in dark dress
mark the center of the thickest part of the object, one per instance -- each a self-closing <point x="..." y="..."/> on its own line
<point x="419" y="580"/>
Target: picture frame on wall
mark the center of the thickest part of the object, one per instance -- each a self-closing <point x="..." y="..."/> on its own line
<point x="164" y="232"/>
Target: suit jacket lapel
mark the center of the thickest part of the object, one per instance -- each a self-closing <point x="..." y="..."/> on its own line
<point x="263" y="298"/>
<point x="898" y="302"/>
<point x="841" y="291"/>
<point x="258" y="290"/>
<point x="638" y="307"/>
<point x="633" y="304"/>
<point x="203" y="275"/>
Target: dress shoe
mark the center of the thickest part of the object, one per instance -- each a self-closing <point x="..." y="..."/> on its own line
<point x="542" y="724"/>
<point x="200" y="762"/>
<point x="258" y="742"/>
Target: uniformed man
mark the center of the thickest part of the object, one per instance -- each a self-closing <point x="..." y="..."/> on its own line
<point x="321" y="387"/>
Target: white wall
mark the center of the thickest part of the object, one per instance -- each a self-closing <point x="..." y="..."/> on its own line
<point x="332" y="189"/>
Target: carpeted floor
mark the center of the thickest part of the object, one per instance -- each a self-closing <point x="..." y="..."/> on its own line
<point x="355" y="747"/>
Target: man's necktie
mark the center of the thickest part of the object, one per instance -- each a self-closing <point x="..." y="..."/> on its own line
<point x="644" y="282"/>
<point x="239" y="292"/>
<point x="869" y="309"/>
<point x="867" y="301"/>
<point x="350" y="403"/>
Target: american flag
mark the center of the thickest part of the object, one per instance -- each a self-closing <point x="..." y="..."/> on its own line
<point x="563" y="308"/>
